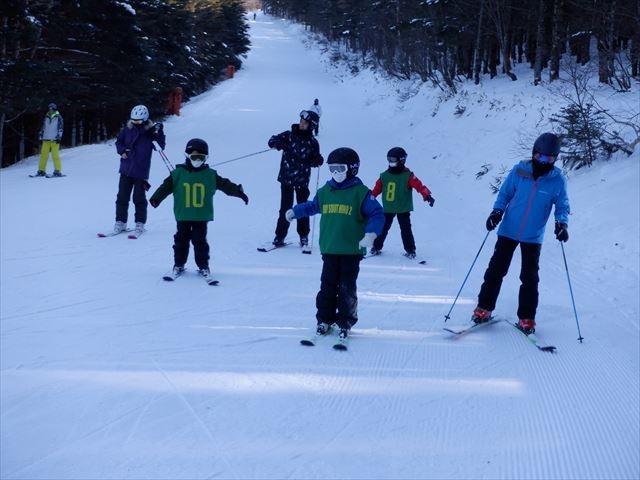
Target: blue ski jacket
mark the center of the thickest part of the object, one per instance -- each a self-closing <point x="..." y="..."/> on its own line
<point x="527" y="202"/>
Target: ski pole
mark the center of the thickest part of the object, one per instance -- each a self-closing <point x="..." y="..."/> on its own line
<point x="239" y="158"/>
<point x="575" y="312"/>
<point x="446" y="317"/>
<point x="313" y="221"/>
<point x="166" y="161"/>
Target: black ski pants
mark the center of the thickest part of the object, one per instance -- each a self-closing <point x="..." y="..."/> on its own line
<point x="404" y="220"/>
<point x="337" y="300"/>
<point x="498" y="268"/>
<point x="125" y="186"/>
<point x="196" y="233"/>
<point x="287" y="193"/>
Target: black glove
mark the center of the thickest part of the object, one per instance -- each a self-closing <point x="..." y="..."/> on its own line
<point x="318" y="161"/>
<point x="430" y="200"/>
<point x="561" y="231"/>
<point x="154" y="203"/>
<point x="273" y="143"/>
<point x="243" y="195"/>
<point x="158" y="128"/>
<point x="146" y="185"/>
<point x="494" y="218"/>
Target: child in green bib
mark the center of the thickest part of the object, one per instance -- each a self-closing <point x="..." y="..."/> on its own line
<point x="396" y="185"/>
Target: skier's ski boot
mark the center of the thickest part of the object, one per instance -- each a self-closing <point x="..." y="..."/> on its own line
<point x="343" y="334"/>
<point x="323" y="329"/>
<point x="139" y="228"/>
<point x="374" y="251"/>
<point x="278" y="242"/>
<point x="410" y="254"/>
<point x="527" y="325"/>
<point x="119" y="227"/>
<point x="304" y="241"/>
<point x="57" y="173"/>
<point x="177" y="271"/>
<point x="480" y="315"/>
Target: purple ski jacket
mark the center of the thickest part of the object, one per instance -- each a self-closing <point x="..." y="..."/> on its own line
<point x="136" y="142"/>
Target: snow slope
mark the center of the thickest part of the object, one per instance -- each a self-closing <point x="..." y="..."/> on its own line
<point x="109" y="372"/>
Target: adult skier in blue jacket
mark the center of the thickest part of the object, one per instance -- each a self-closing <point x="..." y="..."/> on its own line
<point x="525" y="200"/>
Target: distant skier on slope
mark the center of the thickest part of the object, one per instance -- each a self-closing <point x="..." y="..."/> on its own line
<point x="525" y="199"/>
<point x="318" y="110"/>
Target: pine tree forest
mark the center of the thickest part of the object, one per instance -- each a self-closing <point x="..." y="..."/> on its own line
<point x="96" y="58"/>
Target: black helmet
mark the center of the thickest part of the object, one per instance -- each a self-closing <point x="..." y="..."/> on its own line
<point x="315" y="102"/>
<point x="547" y="144"/>
<point x="397" y="155"/>
<point x="347" y="156"/>
<point x="197" y="144"/>
<point x="311" y="117"/>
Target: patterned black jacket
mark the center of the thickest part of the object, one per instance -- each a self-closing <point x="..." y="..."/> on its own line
<point x="300" y="152"/>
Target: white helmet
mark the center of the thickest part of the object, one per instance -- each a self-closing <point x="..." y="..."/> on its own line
<point x="140" y="112"/>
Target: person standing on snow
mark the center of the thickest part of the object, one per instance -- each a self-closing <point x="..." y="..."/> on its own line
<point x="300" y="152"/>
<point x="318" y="110"/>
<point x="396" y="184"/>
<point x="193" y="185"/>
<point x="50" y="136"/>
<point x="525" y="199"/>
<point x="351" y="220"/>
<point x="135" y="145"/>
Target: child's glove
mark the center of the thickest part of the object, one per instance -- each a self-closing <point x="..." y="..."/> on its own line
<point x="561" y="231"/>
<point x="430" y="200"/>
<point x="146" y="185"/>
<point x="494" y="219"/>
<point x="154" y="203"/>
<point x="290" y="215"/>
<point x="367" y="240"/>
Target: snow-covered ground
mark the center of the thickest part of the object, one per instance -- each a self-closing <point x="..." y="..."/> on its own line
<point x="109" y="372"/>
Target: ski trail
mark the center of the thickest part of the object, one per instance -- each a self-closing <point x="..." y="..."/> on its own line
<point x="230" y="471"/>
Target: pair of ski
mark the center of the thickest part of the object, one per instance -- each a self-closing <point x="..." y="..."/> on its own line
<point x="341" y="344"/>
<point x="406" y="255"/>
<point x="133" y="236"/>
<point x="531" y="336"/>
<point x="172" y="276"/>
<point x="48" y="175"/>
<point x="269" y="246"/>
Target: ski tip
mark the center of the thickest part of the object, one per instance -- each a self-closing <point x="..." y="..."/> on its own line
<point x="214" y="283"/>
<point x="101" y="235"/>
<point x="340" y="347"/>
<point x="422" y="262"/>
<point x="548" y="348"/>
<point x="167" y="278"/>
<point x="306" y="252"/>
<point x="307" y="343"/>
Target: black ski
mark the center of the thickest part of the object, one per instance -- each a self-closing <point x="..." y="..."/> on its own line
<point x="113" y="234"/>
<point x="267" y="247"/>
<point x="533" y="339"/>
<point x="312" y="340"/>
<point x="470" y="326"/>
